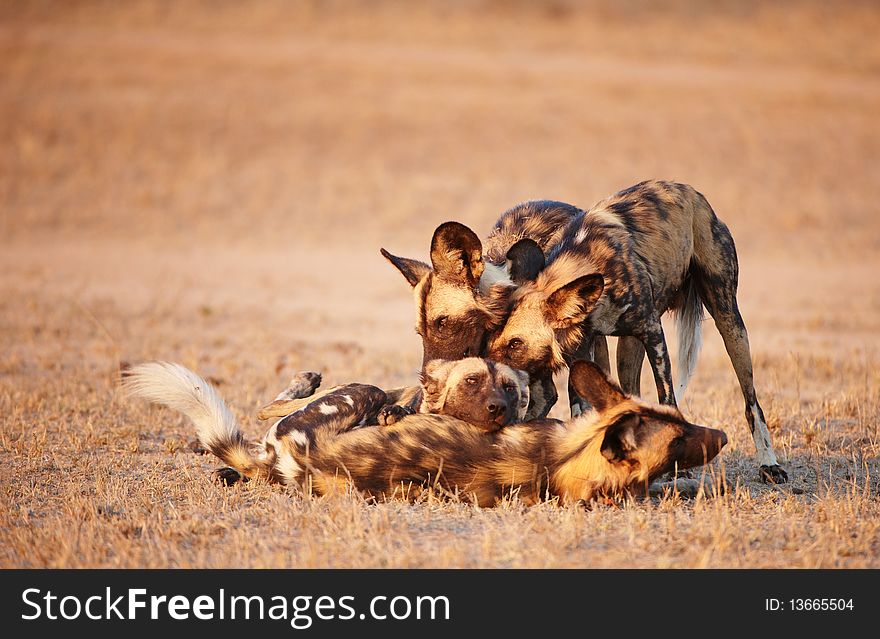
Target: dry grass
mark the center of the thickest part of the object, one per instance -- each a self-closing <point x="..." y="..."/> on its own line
<point x="212" y="186"/>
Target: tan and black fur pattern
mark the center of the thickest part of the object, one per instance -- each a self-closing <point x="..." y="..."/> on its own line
<point x="465" y="294"/>
<point x="487" y="395"/>
<point x="617" y="450"/>
<point x="653" y="247"/>
<point x="481" y="392"/>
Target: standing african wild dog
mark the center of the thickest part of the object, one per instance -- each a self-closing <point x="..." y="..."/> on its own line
<point x="653" y="247"/>
<point x="615" y="451"/>
<point x="464" y="294"/>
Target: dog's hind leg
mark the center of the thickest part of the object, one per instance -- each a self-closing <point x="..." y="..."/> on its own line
<point x="303" y="385"/>
<point x="724" y="310"/>
<point x="717" y="277"/>
<point x="336" y="411"/>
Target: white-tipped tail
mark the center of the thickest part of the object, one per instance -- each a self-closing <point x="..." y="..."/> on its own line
<point x="177" y="387"/>
<point x="689" y="325"/>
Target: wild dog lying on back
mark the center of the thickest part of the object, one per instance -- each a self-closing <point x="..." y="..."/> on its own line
<point x="488" y="396"/>
<point x="481" y="392"/>
<point x="653" y="247"/>
<point x="617" y="450"/>
<point x="464" y="294"/>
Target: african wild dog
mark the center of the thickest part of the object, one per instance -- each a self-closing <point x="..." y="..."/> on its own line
<point x="463" y="295"/>
<point x="615" y="451"/>
<point x="488" y="396"/>
<point x="653" y="247"/>
<point x="478" y="391"/>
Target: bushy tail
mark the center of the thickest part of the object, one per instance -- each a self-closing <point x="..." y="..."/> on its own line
<point x="177" y="387"/>
<point x="688" y="322"/>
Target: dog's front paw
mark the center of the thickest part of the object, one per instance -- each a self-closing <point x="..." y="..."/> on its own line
<point x="228" y="476"/>
<point x="393" y="413"/>
<point x="773" y="474"/>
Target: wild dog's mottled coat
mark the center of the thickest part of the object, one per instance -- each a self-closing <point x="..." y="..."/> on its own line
<point x="464" y="294"/>
<point x="653" y="247"/>
<point x="487" y="395"/>
<point x="619" y="449"/>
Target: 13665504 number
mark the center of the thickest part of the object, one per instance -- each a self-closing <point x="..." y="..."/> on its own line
<point x="820" y="604"/>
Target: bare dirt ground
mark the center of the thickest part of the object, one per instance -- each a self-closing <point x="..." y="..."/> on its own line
<point x="211" y="185"/>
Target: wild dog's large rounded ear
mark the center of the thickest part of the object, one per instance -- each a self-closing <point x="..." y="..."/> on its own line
<point x="433" y="380"/>
<point x="619" y="442"/>
<point x="590" y="382"/>
<point x="525" y="260"/>
<point x="571" y="304"/>
<point x="413" y="270"/>
<point x="435" y="372"/>
<point x="457" y="253"/>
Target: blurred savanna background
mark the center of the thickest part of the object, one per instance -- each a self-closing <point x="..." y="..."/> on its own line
<point x="210" y="183"/>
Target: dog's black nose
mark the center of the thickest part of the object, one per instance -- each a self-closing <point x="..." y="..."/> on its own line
<point x="496" y="407"/>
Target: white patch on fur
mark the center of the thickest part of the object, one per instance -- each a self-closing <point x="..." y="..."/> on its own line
<point x="348" y="400"/>
<point x="493" y="274"/>
<point x="581" y="236"/>
<point x="287" y="467"/>
<point x="299" y="437"/>
<point x="328" y="409"/>
<point x="761" y="434"/>
<point x="271" y="437"/>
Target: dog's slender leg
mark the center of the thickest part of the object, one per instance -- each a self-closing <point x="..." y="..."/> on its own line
<point x="339" y="410"/>
<point x="716" y="269"/>
<point x="736" y="340"/>
<point x="302" y="386"/>
<point x="658" y="354"/>
<point x="600" y="353"/>
<point x="630" y="353"/>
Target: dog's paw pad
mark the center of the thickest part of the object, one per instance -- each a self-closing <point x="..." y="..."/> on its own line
<point x="393" y="413"/>
<point x="302" y="385"/>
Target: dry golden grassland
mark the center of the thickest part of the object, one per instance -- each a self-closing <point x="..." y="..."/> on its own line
<point x="210" y="184"/>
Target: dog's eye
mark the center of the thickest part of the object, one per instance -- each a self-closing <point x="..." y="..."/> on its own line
<point x="440" y="322"/>
<point x="471" y="380"/>
<point x="514" y="344"/>
<point x="510" y="389"/>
